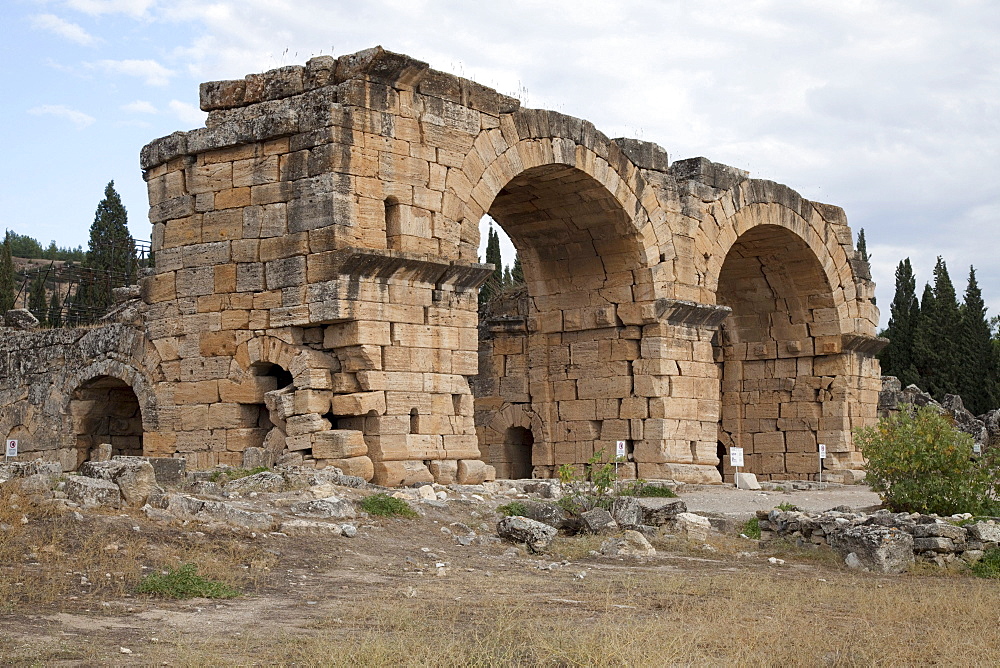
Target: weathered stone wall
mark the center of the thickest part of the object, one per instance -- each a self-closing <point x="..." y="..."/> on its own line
<point x="65" y="391"/>
<point x="314" y="296"/>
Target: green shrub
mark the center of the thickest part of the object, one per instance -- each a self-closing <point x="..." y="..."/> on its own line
<point x="751" y="529"/>
<point x="785" y="507"/>
<point x="989" y="565"/>
<point x="919" y="462"/>
<point x="513" y="508"/>
<point x="184" y="582"/>
<point x="383" y="505"/>
<point x="643" y="488"/>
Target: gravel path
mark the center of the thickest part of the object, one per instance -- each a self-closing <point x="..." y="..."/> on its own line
<point x="740" y="503"/>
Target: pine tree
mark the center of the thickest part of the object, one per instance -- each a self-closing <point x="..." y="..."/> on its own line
<point x="8" y="281"/>
<point x="55" y="310"/>
<point x="977" y="367"/>
<point x="111" y="254"/>
<point x="904" y="316"/>
<point x="37" y="303"/>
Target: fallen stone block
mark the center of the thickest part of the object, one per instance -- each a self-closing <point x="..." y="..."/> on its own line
<point x="265" y="481"/>
<point x="598" y="521"/>
<point x="875" y="548"/>
<point x="546" y="513"/>
<point x="630" y="544"/>
<point x="330" y="507"/>
<point x="230" y="514"/>
<point x="746" y="481"/>
<point x="536" y="535"/>
<point x="695" y="527"/>
<point x="310" y="527"/>
<point x="93" y="492"/>
<point x="985" y="532"/>
<point x="134" y="476"/>
<point x="11" y="470"/>
<point x="631" y="511"/>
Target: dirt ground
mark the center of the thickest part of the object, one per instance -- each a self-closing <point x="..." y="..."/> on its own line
<point x="405" y="592"/>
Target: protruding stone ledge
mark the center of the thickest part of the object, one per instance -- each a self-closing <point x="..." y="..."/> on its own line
<point x="392" y="264"/>
<point x="691" y="314"/>
<point x="869" y="346"/>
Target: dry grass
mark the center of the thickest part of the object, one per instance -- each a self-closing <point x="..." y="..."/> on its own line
<point x="49" y="558"/>
<point x="648" y="618"/>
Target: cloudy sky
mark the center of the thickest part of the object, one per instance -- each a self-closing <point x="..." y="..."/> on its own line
<point x="890" y="109"/>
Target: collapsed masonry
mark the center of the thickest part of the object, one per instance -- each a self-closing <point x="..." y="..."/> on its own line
<point x="314" y="298"/>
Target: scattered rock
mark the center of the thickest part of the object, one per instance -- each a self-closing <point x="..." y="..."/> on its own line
<point x="598" y="521"/>
<point x="333" y="507"/>
<point x="630" y="544"/>
<point x="133" y="476"/>
<point x="695" y="527"/>
<point x="517" y="529"/>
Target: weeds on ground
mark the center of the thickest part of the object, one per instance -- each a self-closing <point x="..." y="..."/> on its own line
<point x="989" y="565"/>
<point x="646" y="489"/>
<point x="184" y="582"/>
<point x="751" y="529"/>
<point x="383" y="505"/>
<point x="786" y="507"/>
<point x="513" y="508"/>
<point x="228" y="475"/>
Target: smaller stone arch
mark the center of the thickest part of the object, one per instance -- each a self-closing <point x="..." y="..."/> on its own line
<point x="134" y="378"/>
<point x="513" y="444"/>
<point x="107" y="419"/>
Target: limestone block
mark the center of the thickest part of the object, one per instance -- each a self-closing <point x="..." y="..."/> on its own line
<point x="93" y="492"/>
<point x="298" y="425"/>
<point x="400" y="473"/>
<point x="445" y="471"/>
<point x="280" y="403"/>
<point x="357" y="333"/>
<point x="359" y="403"/>
<point x="474" y="472"/>
<point x="338" y="444"/>
<point x="362" y="467"/>
<point x="311" y="401"/>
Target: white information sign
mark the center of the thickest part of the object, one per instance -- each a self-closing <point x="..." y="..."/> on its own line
<point x="620" y="450"/>
<point x="822" y="450"/>
<point x="12" y="447"/>
<point x="977" y="449"/>
<point x="736" y="457"/>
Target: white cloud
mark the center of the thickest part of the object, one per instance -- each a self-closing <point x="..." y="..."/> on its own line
<point x="77" y="118"/>
<point x="133" y="8"/>
<point x="150" y="71"/>
<point x="63" y="28"/>
<point x="140" y="107"/>
<point x="187" y="113"/>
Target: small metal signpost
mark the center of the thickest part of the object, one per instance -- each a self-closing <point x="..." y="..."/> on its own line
<point x="11" y="450"/>
<point x="736" y="461"/>
<point x="619" y="455"/>
<point x="822" y="456"/>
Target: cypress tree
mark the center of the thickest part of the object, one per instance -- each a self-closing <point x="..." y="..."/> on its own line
<point x="862" y="245"/>
<point x="904" y="315"/>
<point x="517" y="272"/>
<point x="37" y="303"/>
<point x="55" y="310"/>
<point x="977" y="365"/>
<point x="111" y="254"/>
<point x="494" y="283"/>
<point x="937" y="335"/>
<point x="8" y="281"/>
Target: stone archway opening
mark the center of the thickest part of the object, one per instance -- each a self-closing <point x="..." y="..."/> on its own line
<point x="783" y="317"/>
<point x="559" y="348"/>
<point x="107" y="419"/>
<point x="517" y="453"/>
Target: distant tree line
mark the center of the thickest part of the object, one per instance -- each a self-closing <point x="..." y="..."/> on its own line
<point x="73" y="295"/>
<point x="940" y="344"/>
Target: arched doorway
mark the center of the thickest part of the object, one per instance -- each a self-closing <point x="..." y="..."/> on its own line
<point x="782" y="312"/>
<point x="106" y="412"/>
<point x="570" y="361"/>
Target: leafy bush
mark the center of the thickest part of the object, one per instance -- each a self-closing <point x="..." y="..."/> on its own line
<point x="751" y="529"/>
<point x="184" y="582"/>
<point x="785" y="507"/>
<point x="919" y="462"/>
<point x="383" y="505"/>
<point x="512" y="508"/>
<point x="643" y="488"/>
<point x="989" y="565"/>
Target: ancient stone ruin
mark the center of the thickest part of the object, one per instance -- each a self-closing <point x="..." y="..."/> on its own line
<point x="314" y="298"/>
